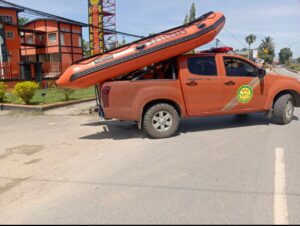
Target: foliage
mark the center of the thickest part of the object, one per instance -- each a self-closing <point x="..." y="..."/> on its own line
<point x="67" y="93"/>
<point x="266" y="50"/>
<point x="23" y="20"/>
<point x="191" y="16"/>
<point x="26" y="90"/>
<point x="86" y="49"/>
<point x="298" y="60"/>
<point x="250" y="39"/>
<point x="285" y="55"/>
<point x="3" y="88"/>
<point x="186" y="19"/>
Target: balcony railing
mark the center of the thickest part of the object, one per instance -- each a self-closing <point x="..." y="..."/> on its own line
<point x="33" y="41"/>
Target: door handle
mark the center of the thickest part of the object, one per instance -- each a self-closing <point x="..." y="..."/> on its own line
<point x="230" y="83"/>
<point x="192" y="83"/>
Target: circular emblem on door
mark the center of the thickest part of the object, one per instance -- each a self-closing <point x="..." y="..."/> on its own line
<point x="245" y="94"/>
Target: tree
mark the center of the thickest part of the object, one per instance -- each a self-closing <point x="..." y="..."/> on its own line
<point x="266" y="50"/>
<point x="250" y="40"/>
<point x="86" y="49"/>
<point x="192" y="16"/>
<point x="298" y="60"/>
<point x="23" y="20"/>
<point x="186" y="19"/>
<point x="285" y="55"/>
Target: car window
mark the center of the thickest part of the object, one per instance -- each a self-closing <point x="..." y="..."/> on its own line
<point x="205" y="66"/>
<point x="239" y="68"/>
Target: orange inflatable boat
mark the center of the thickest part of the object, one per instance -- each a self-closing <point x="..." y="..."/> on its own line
<point x="142" y="53"/>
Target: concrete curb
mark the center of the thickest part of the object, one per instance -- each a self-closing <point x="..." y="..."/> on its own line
<point x="40" y="109"/>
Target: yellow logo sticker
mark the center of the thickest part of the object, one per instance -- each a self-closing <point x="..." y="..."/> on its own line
<point x="245" y="94"/>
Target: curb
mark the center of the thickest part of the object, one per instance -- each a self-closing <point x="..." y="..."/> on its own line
<point x="40" y="109"/>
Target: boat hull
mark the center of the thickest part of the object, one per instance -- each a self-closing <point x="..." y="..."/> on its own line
<point x="143" y="53"/>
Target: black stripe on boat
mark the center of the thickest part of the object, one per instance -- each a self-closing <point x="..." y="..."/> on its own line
<point x="148" y="51"/>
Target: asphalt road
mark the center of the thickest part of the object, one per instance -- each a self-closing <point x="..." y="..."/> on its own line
<point x="72" y="169"/>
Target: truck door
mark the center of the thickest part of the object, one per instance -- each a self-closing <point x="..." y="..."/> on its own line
<point x="243" y="90"/>
<point x="202" y="86"/>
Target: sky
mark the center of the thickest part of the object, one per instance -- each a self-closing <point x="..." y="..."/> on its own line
<point x="279" y="19"/>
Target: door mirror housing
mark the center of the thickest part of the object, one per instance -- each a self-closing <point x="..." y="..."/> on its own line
<point x="262" y="73"/>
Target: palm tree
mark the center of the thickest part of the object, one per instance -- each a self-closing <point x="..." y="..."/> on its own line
<point x="267" y="49"/>
<point x="250" y="40"/>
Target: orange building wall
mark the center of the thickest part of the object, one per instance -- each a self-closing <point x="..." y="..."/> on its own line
<point x="11" y="66"/>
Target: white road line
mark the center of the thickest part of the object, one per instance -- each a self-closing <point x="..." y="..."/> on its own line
<point x="280" y="200"/>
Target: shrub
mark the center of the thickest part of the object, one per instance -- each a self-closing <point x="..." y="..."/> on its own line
<point x="3" y="88"/>
<point x="68" y="93"/>
<point x="26" y="90"/>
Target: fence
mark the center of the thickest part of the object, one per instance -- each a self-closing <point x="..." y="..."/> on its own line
<point x="50" y="70"/>
<point x="9" y="71"/>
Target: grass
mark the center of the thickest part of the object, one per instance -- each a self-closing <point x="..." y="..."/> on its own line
<point x="295" y="67"/>
<point x="49" y="96"/>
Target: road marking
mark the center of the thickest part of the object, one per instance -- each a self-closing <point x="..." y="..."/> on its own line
<point x="280" y="200"/>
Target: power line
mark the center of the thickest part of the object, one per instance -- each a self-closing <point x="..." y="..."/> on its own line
<point x="237" y="39"/>
<point x="51" y="16"/>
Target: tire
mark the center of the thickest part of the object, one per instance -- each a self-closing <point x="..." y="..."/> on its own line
<point x="161" y="121"/>
<point x="283" y="111"/>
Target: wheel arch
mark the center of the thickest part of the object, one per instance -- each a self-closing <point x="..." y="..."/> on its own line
<point x="295" y="95"/>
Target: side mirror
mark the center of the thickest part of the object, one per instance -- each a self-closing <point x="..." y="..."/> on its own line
<point x="262" y="73"/>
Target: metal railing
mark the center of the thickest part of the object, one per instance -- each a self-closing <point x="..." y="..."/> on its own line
<point x="11" y="71"/>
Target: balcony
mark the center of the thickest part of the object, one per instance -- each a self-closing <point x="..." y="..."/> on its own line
<point x="33" y="38"/>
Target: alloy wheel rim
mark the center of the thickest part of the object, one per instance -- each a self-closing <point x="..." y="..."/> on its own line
<point x="289" y="110"/>
<point x="162" y="121"/>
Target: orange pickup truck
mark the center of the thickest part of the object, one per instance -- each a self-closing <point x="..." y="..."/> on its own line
<point x="204" y="84"/>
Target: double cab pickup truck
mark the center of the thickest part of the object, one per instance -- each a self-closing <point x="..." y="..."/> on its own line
<point x="210" y="83"/>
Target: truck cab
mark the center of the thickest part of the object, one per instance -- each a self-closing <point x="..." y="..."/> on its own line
<point x="211" y="83"/>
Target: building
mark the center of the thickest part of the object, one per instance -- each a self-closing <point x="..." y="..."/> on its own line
<point x="51" y="43"/>
<point x="10" y="43"/>
<point x="54" y="43"/>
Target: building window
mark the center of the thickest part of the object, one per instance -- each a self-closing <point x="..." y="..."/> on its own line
<point x="6" y="19"/>
<point x="10" y="35"/>
<point x="62" y="39"/>
<point x="80" y="41"/>
<point x="52" y="37"/>
<point x="29" y="39"/>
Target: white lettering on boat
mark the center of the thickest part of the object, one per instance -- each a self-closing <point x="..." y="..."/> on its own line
<point x="166" y="37"/>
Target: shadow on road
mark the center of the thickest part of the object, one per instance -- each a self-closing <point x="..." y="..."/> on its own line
<point x="118" y="130"/>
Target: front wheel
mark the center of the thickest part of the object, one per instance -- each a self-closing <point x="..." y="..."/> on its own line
<point x="284" y="109"/>
<point x="161" y="121"/>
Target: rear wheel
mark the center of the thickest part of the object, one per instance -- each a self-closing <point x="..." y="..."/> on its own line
<point x="161" y="121"/>
<point x="284" y="109"/>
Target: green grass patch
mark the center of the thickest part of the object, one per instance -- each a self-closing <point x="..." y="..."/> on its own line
<point x="50" y="96"/>
<point x="295" y="67"/>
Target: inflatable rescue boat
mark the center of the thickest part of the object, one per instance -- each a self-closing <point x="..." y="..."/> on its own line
<point x="142" y="53"/>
